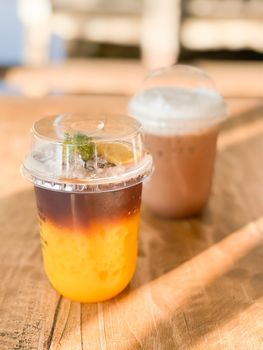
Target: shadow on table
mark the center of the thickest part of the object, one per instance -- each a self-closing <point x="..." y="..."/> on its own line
<point x="214" y="288"/>
<point x="245" y="118"/>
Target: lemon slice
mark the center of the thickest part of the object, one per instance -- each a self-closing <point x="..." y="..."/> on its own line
<point x="115" y="152"/>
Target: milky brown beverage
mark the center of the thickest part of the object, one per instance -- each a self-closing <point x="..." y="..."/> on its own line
<point x="181" y="182"/>
<point x="181" y="126"/>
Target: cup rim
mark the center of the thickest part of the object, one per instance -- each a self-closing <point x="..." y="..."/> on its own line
<point x="135" y="175"/>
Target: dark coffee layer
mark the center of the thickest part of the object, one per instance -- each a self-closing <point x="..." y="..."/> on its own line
<point x="82" y="209"/>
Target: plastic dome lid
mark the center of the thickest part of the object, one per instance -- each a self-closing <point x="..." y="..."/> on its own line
<point x="78" y="152"/>
<point x="178" y="96"/>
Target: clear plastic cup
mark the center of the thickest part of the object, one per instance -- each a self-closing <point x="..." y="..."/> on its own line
<point x="88" y="172"/>
<point x="181" y="112"/>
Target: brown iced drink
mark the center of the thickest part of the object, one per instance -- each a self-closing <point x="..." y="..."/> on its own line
<point x="88" y="172"/>
<point x="89" y="240"/>
<point x="181" y="113"/>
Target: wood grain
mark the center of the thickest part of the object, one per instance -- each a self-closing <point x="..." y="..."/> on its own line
<point x="198" y="283"/>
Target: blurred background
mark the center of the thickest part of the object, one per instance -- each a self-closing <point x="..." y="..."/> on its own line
<point x="99" y="46"/>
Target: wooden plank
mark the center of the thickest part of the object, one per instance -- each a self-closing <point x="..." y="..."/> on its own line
<point x="235" y="78"/>
<point x="79" y="76"/>
<point x="198" y="283"/>
<point x="124" y="77"/>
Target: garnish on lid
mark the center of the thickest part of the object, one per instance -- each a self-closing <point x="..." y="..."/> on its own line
<point x="81" y="144"/>
<point x="115" y="152"/>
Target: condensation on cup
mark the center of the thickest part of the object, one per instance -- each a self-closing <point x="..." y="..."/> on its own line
<point x="181" y="112"/>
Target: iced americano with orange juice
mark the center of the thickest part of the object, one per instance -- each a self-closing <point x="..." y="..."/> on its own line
<point x="88" y="172"/>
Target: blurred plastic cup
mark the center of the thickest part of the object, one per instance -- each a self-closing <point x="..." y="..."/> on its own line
<point x="181" y="112"/>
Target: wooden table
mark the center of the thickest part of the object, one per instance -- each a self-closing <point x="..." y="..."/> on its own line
<point x="104" y="76"/>
<point x="198" y="283"/>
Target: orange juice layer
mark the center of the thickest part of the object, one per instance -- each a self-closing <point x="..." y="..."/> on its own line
<point x="94" y="264"/>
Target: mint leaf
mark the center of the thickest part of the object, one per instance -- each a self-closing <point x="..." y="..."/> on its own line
<point x="78" y="143"/>
<point x="85" y="147"/>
